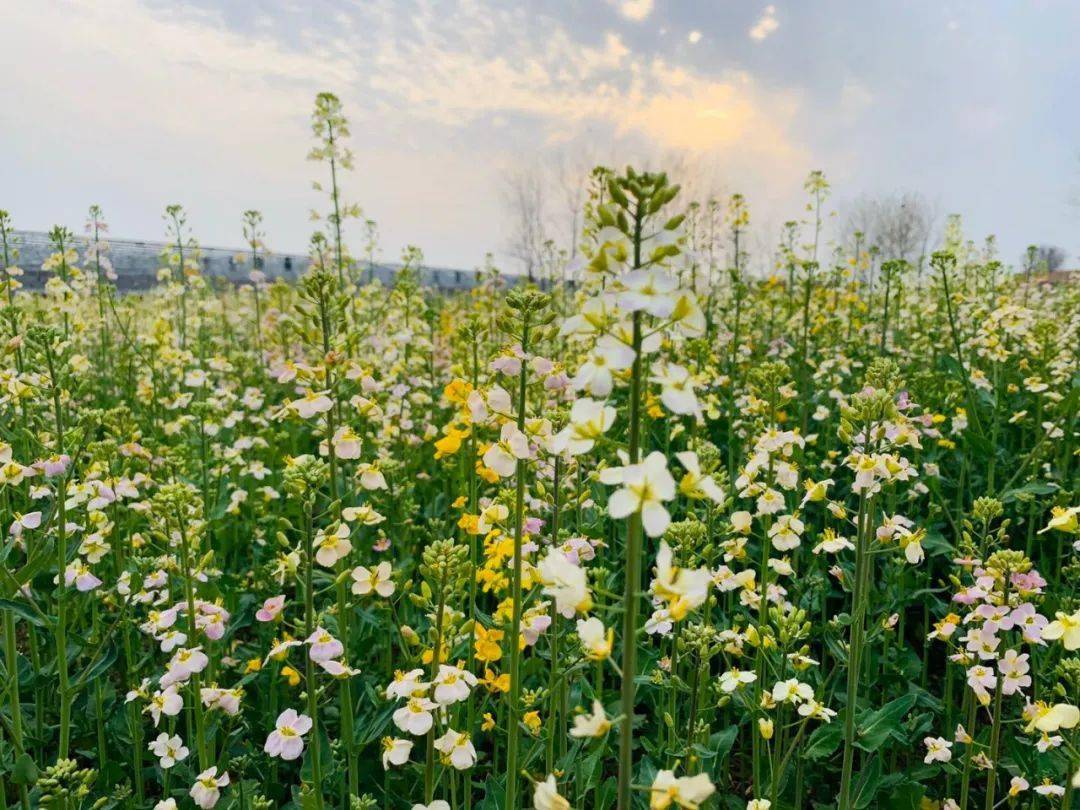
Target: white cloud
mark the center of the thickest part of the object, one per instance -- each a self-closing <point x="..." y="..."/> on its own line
<point x="636" y="10"/>
<point x="145" y="106"/>
<point x="694" y="37"/>
<point x="765" y="25"/>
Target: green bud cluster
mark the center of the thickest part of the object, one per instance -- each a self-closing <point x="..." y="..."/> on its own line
<point x="1008" y="561"/>
<point x="64" y="781"/>
<point x="304" y="475"/>
<point x="1068" y="672"/>
<point x="687" y="538"/>
<point x="791" y="626"/>
<point x="987" y="509"/>
<point x="700" y="640"/>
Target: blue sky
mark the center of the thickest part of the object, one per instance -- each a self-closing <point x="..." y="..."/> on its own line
<point x="135" y="104"/>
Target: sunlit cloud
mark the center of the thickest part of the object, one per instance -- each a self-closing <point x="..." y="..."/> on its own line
<point x="765" y="25"/>
<point x="636" y="10"/>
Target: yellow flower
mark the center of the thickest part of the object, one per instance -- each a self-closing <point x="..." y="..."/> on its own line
<point x="291" y="675"/>
<point x="457" y="391"/>
<point x="496" y="683"/>
<point x="489" y="722"/>
<point x="487" y="644"/>
<point x="450" y="443"/>
<point x="532" y="722"/>
<point x="253" y="665"/>
<point x="486" y="473"/>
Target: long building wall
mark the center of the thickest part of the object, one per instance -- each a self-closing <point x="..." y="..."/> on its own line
<point x="136" y="264"/>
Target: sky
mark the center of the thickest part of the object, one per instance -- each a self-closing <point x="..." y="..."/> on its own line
<point x="135" y="104"/>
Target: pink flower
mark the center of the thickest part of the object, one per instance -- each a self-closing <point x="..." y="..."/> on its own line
<point x="287" y="739"/>
<point x="271" y="609"/>
<point x="31" y="520"/>
<point x="324" y="646"/>
<point x="82" y="577"/>
<point x="1030" y="621"/>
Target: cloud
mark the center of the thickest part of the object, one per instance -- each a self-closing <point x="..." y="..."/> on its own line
<point x="694" y="37"/>
<point x="566" y="87"/>
<point x="146" y="105"/>
<point x="765" y="25"/>
<point x="636" y="10"/>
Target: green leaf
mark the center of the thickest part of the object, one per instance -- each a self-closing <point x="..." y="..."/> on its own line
<point x="875" y="727"/>
<point x="1028" y="491"/>
<point x="905" y="797"/>
<point x="823" y="741"/>
<point x="869" y="782"/>
<point x="24" y="772"/>
<point x="23" y="611"/>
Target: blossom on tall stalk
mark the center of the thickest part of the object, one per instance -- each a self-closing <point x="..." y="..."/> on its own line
<point x="630" y="303"/>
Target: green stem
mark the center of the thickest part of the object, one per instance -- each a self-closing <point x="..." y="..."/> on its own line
<point x="512" y="743"/>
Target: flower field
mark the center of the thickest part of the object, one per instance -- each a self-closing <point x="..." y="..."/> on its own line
<point x="670" y="535"/>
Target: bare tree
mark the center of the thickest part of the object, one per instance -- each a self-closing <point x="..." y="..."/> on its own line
<point x="525" y="195"/>
<point x="1049" y="258"/>
<point x="900" y="225"/>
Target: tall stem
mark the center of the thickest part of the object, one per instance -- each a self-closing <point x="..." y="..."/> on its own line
<point x="61" y="565"/>
<point x="309" y="674"/>
<point x="515" y="623"/>
<point x="633" y="570"/>
<point x="862" y="562"/>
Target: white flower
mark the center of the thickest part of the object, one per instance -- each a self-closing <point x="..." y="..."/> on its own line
<point x="166" y="702"/>
<point x="645" y="486"/>
<point x="377" y="580"/>
<point x="650" y="290"/>
<point x="452" y="685"/>
<point x="589" y="420"/>
<point x="287" y="739"/>
<point x="677" y="388"/>
<point x="594" y="375"/>
<point x="168" y="750"/>
<point x="792" y="691"/>
<point x="311" y="404"/>
<point x="565" y="582"/>
<point x="503" y="456"/>
<point x="595" y="640"/>
<point x="694" y="485"/>
<point x="591" y="725"/>
<point x="371" y="477"/>
<point x="31" y="520"/>
<point x="684" y="791"/>
<point x="406" y="684"/>
<point x="396" y="751"/>
<point x="457" y="748"/>
<point x="546" y="796"/>
<point x="333" y="546"/>
<point x="415" y="716"/>
<point x="683" y="589"/>
<point x="735" y="679"/>
<point x="346" y="443"/>
<point x="207" y="788"/>
<point x="938" y="749"/>
<point x="81" y="576"/>
<point x="228" y="700"/>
